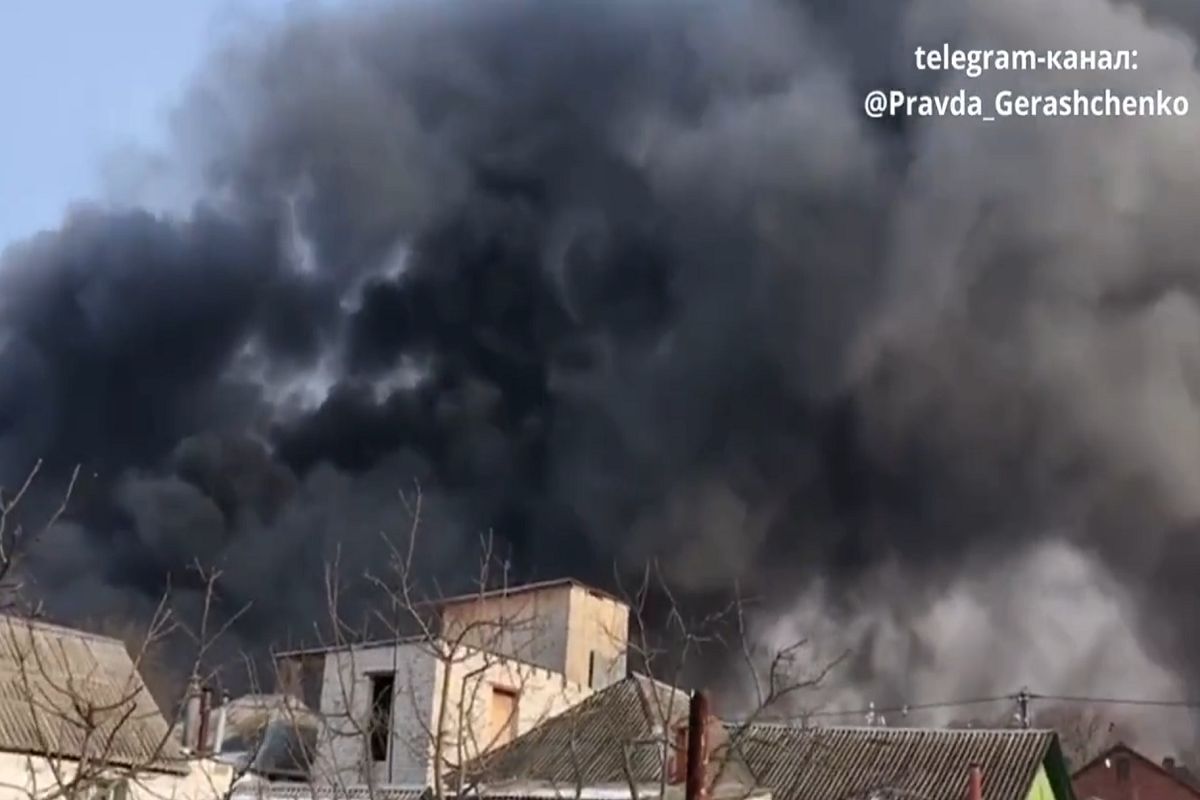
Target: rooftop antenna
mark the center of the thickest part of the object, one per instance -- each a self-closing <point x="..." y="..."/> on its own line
<point x="1023" y="697"/>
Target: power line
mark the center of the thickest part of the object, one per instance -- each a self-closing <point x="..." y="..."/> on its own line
<point x="1022" y="699"/>
<point x="910" y="707"/>
<point x="1124" y="701"/>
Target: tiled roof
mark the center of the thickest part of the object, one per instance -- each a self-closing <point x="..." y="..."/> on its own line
<point x="588" y="745"/>
<point x="52" y="678"/>
<point x="588" y="742"/>
<point x="1180" y="774"/>
<point x="866" y="763"/>
<point x="251" y="790"/>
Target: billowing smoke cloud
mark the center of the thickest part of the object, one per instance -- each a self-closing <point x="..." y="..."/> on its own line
<point x="625" y="280"/>
<point x="1046" y="613"/>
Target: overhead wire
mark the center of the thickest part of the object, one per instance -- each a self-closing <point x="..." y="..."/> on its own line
<point x="1014" y="697"/>
<point x="1125" y="701"/>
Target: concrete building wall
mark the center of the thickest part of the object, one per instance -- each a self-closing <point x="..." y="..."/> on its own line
<point x="528" y="625"/>
<point x="23" y="776"/>
<point x="343" y="757"/>
<point x="564" y="626"/>
<point x="597" y="638"/>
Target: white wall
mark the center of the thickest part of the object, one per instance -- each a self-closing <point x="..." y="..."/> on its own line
<point x="26" y="777"/>
<point x="598" y="627"/>
<point x="342" y="753"/>
<point x="530" y="626"/>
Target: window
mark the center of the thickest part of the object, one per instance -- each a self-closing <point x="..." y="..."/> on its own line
<point x="592" y="669"/>
<point x="110" y="790"/>
<point x="505" y="709"/>
<point x="383" y="688"/>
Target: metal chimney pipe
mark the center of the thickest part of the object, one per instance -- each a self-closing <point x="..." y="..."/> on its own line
<point x="975" y="783"/>
<point x="205" y="711"/>
<point x="697" y="748"/>
<point x="191" y="715"/>
<point x="222" y="714"/>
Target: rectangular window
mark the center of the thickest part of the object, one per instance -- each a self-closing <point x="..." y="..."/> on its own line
<point x="110" y="790"/>
<point x="505" y="708"/>
<point x="383" y="688"/>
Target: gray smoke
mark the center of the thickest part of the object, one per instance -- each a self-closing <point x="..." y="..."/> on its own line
<point x="625" y="280"/>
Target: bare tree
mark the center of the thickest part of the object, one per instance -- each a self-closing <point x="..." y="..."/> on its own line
<point x="78" y="703"/>
<point x="16" y="537"/>
<point x="88" y="721"/>
<point x="773" y="679"/>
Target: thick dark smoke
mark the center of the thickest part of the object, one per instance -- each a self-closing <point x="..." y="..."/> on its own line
<point x="625" y="280"/>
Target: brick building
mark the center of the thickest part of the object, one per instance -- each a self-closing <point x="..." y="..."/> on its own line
<point x="1121" y="773"/>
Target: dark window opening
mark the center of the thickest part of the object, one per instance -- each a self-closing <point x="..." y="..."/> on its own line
<point x="382" y="691"/>
<point x="110" y="790"/>
<point x="592" y="669"/>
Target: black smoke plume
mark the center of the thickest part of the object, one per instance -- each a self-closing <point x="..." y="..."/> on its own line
<point x="627" y="280"/>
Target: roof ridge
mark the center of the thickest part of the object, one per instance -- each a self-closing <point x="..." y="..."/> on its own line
<point x="521" y="588"/>
<point x="917" y="728"/>
<point x="54" y="627"/>
<point x="1141" y="757"/>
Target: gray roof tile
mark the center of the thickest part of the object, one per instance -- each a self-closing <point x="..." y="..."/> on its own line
<point x="64" y="692"/>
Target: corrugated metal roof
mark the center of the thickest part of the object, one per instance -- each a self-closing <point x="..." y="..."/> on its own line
<point x="866" y="763"/>
<point x="65" y="692"/>
<point x="253" y="790"/>
<point x="589" y="742"/>
<point x="588" y="745"/>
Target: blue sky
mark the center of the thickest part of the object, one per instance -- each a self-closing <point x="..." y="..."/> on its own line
<point x="80" y="79"/>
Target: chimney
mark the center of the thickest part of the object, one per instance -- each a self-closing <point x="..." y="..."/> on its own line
<point x="191" y="714"/>
<point x="975" y="782"/>
<point x="202" y="725"/>
<point x="697" y="748"/>
<point x="677" y="771"/>
<point x="222" y="713"/>
<point x="1169" y="764"/>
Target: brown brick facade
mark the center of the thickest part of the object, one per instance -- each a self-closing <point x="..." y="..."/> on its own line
<point x="1122" y="774"/>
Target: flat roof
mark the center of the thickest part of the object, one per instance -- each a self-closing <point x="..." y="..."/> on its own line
<point x="524" y="588"/>
<point x="319" y="649"/>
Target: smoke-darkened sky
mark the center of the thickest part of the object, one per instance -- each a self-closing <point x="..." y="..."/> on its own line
<point x="627" y="280"/>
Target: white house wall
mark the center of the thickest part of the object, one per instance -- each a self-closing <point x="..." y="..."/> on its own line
<point x="24" y="777"/>
<point x="342" y="756"/>
<point x="598" y="638"/>
<point x="529" y="626"/>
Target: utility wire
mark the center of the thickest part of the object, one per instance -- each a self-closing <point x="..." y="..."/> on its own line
<point x="1015" y="697"/>
<point x="1124" y="701"/>
<point x="911" y="707"/>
